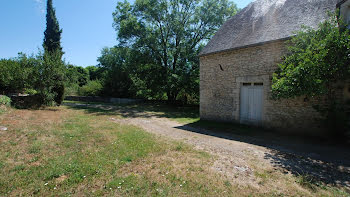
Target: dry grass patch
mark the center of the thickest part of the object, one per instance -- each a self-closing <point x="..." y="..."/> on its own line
<point x="58" y="151"/>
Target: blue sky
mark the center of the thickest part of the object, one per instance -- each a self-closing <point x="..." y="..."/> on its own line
<point x="87" y="27"/>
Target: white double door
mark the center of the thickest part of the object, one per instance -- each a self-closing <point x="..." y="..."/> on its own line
<point x="251" y="104"/>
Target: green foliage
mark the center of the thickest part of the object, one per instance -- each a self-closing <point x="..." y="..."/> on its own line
<point x="96" y="73"/>
<point x="52" y="70"/>
<point x="59" y="89"/>
<point x="163" y="39"/>
<point x="148" y="82"/>
<point x="72" y="90"/>
<point x="52" y="40"/>
<point x="4" y="100"/>
<point x="16" y="73"/>
<point x="115" y="63"/>
<point x="50" y="75"/>
<point x="30" y="91"/>
<point x="77" y="75"/>
<point x="317" y="59"/>
<point x="92" y="88"/>
<point x="42" y="76"/>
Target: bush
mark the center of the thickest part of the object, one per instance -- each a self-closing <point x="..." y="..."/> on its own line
<point x="72" y="90"/>
<point x="16" y="74"/>
<point x="92" y="88"/>
<point x="59" y="90"/>
<point x="50" y="75"/>
<point x="30" y="91"/>
<point x="316" y="61"/>
<point x="4" y="100"/>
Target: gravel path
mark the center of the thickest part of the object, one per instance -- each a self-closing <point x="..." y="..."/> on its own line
<point x="233" y="158"/>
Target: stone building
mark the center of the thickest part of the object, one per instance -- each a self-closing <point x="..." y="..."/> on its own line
<point x="237" y="64"/>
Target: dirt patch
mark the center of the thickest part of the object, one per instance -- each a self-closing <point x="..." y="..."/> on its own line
<point x="21" y="118"/>
<point x="35" y="164"/>
<point x="61" y="179"/>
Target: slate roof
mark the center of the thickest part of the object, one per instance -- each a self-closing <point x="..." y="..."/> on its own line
<point x="268" y="20"/>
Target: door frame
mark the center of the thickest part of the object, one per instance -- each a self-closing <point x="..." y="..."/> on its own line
<point x="252" y="84"/>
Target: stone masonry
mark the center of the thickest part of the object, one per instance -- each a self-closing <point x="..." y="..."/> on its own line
<point x="222" y="75"/>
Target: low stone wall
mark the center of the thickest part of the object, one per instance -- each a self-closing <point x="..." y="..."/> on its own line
<point x="21" y="101"/>
<point x="103" y="99"/>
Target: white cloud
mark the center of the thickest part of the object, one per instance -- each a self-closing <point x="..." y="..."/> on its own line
<point x="40" y="5"/>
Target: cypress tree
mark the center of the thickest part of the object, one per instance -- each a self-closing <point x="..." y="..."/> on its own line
<point x="53" y="55"/>
<point x="52" y="40"/>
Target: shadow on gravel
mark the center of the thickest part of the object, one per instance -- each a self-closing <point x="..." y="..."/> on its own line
<point x="316" y="159"/>
<point x="302" y="156"/>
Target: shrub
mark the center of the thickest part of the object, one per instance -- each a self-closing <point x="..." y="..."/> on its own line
<point x="92" y="88"/>
<point x="30" y="91"/>
<point x="318" y="59"/>
<point x="72" y="90"/>
<point x="4" y="100"/>
<point x="59" y="90"/>
<point x="50" y="75"/>
<point x="17" y="73"/>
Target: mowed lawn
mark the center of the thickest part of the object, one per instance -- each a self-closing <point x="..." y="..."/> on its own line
<point x="67" y="152"/>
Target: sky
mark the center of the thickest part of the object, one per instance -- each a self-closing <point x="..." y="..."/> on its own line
<point x="87" y="27"/>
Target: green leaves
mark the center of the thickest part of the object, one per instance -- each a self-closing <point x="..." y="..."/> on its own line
<point x="52" y="40"/>
<point x="16" y="74"/>
<point x="169" y="34"/>
<point x="4" y="100"/>
<point x="50" y="76"/>
<point x="316" y="59"/>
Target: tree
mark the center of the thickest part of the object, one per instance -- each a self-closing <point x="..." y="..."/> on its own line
<point x="171" y="33"/>
<point x="115" y="62"/>
<point x="17" y="74"/>
<point x="317" y="60"/>
<point x="49" y="75"/>
<point x="77" y="75"/>
<point x="52" y="40"/>
<point x="95" y="72"/>
<point x="53" y="51"/>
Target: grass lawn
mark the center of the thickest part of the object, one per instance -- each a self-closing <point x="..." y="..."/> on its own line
<point x="62" y="152"/>
<point x="67" y="152"/>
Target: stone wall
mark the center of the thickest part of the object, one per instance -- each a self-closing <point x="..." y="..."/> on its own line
<point x="221" y="78"/>
<point x="103" y="99"/>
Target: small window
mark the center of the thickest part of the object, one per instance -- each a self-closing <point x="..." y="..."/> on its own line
<point x="247" y="84"/>
<point x="258" y="84"/>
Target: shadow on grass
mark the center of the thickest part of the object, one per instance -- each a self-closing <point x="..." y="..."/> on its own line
<point x="302" y="156"/>
<point x="137" y="110"/>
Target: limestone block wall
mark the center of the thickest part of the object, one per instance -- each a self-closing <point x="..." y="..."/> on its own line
<point x="221" y="78"/>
